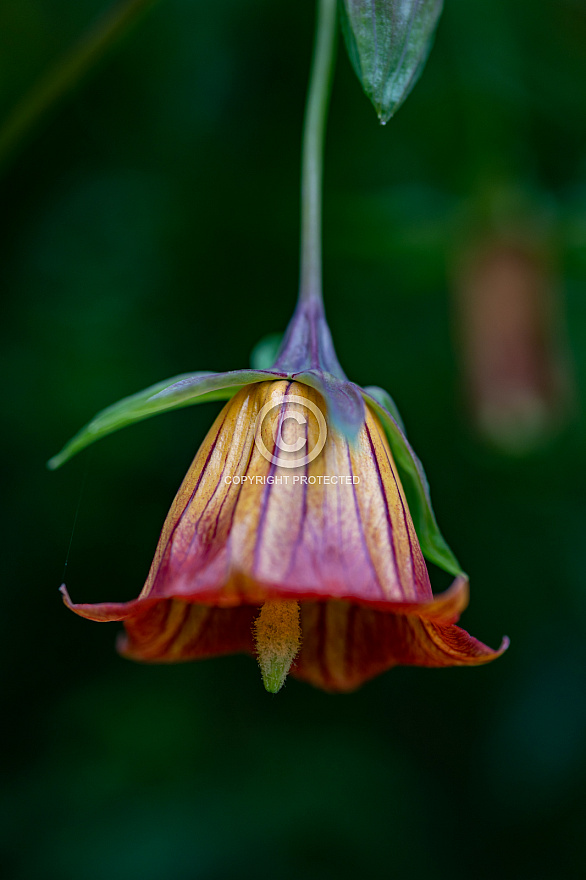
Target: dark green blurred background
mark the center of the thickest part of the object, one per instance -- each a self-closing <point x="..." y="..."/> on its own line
<point x="151" y="228"/>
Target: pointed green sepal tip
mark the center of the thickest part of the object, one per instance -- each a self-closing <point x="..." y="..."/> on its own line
<point x="277" y="634"/>
<point x="388" y="42"/>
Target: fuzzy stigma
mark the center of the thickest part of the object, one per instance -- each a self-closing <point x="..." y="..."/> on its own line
<point x="277" y="634"/>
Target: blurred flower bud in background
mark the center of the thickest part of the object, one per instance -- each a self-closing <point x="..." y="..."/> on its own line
<point x="510" y="331"/>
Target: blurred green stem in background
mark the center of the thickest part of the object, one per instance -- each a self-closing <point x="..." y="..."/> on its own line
<point x="67" y="73"/>
<point x="313" y="150"/>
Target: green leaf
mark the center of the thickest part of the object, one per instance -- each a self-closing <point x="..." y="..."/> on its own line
<point x="264" y="354"/>
<point x="388" y="42"/>
<point x="433" y="544"/>
<point x="171" y="394"/>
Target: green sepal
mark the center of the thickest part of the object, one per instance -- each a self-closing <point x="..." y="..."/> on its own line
<point x="388" y="42"/>
<point x="385" y="399"/>
<point x="174" y="393"/>
<point x="431" y="540"/>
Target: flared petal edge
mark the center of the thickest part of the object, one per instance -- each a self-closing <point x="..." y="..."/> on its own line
<point x="444" y="608"/>
<point x="346" y="645"/>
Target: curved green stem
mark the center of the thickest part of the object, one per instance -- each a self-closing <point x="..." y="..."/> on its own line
<point x="67" y="73"/>
<point x="313" y="148"/>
